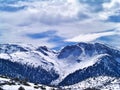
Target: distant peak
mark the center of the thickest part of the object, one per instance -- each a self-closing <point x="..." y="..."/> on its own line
<point x="11" y="48"/>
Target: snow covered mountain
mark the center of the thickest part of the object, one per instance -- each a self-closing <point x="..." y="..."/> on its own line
<point x="22" y="62"/>
<point x="96" y="59"/>
<point x="72" y="65"/>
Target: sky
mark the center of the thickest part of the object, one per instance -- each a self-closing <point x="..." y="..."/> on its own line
<point x="56" y="23"/>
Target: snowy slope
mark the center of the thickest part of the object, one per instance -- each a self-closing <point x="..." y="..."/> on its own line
<point x="97" y="83"/>
<point x="14" y="84"/>
<point x="16" y="53"/>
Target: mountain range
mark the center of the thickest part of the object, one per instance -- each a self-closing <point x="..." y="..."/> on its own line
<point x="79" y="66"/>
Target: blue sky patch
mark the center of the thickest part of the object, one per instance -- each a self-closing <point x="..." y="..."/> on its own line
<point x="41" y="35"/>
<point x="10" y="8"/>
<point x="114" y="18"/>
<point x="11" y="1"/>
<point x="48" y="34"/>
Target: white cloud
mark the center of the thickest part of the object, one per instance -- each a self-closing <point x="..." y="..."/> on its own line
<point x="112" y="5"/>
<point x="110" y="8"/>
<point x="69" y="18"/>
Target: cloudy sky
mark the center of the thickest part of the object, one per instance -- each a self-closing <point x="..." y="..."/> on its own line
<point x="55" y="23"/>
